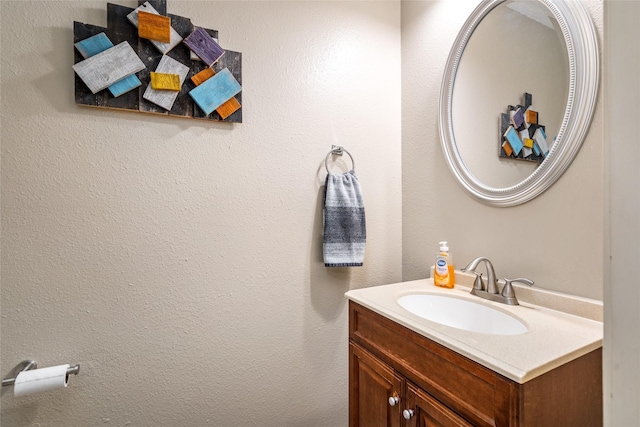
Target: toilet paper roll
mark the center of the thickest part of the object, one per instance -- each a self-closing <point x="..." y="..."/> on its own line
<point x="37" y="380"/>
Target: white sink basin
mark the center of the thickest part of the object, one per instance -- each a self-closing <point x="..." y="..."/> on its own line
<point x="462" y="314"/>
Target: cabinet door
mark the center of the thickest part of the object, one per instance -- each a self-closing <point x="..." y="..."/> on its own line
<point x="371" y="385"/>
<point x="425" y="411"/>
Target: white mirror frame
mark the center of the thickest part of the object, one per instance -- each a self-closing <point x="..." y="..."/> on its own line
<point x="582" y="48"/>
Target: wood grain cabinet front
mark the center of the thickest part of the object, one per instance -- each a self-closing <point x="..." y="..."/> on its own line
<point x="375" y="394"/>
<point x="425" y="411"/>
<point x="400" y="378"/>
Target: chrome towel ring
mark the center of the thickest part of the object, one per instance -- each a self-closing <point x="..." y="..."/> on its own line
<point x="338" y="150"/>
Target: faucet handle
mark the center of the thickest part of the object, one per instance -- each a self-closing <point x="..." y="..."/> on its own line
<point x="507" y="290"/>
<point x="478" y="283"/>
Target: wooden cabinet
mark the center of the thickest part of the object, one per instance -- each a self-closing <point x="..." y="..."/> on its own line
<point x="438" y="387"/>
<point x="379" y="397"/>
<point x="372" y="384"/>
<point x="425" y="411"/>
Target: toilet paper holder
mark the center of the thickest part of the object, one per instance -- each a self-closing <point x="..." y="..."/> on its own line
<point x="27" y="365"/>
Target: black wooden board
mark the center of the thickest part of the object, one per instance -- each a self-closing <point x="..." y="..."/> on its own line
<point x="232" y="61"/>
<point x="118" y="30"/>
<point x="184" y="105"/>
<point x="121" y="30"/>
<point x="159" y="5"/>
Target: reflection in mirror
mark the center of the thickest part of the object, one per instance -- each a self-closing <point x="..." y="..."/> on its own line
<point x="506" y="48"/>
<point x="518" y="47"/>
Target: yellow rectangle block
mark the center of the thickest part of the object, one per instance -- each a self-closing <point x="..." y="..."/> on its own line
<point x="202" y="76"/>
<point x="154" y="27"/>
<point x="527" y="142"/>
<point x="163" y="81"/>
<point x="228" y="108"/>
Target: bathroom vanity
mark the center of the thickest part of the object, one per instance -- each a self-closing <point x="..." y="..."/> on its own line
<point x="407" y="371"/>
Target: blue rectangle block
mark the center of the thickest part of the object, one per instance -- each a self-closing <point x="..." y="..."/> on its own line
<point x="536" y="149"/>
<point x="124" y="85"/>
<point x="514" y="140"/>
<point x="98" y="43"/>
<point x="215" y="91"/>
<point x="93" y="45"/>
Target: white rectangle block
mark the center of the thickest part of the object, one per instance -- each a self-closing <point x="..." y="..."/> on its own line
<point x="166" y="98"/>
<point x="109" y="66"/>
<point x="541" y="139"/>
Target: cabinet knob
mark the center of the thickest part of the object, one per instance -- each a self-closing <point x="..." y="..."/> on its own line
<point x="407" y="414"/>
<point x="394" y="400"/>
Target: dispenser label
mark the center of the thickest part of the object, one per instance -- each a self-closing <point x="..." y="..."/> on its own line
<point x="441" y="267"/>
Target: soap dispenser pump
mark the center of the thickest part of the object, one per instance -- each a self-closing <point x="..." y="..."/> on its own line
<point x="443" y="274"/>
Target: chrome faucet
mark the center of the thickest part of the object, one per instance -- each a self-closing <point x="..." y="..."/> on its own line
<point x="492" y="291"/>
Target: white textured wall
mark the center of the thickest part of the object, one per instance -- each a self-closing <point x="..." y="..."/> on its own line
<point x="555" y="240"/>
<point x="179" y="261"/>
<point x="622" y="296"/>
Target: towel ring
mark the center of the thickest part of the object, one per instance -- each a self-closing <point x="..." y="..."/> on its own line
<point x="338" y="150"/>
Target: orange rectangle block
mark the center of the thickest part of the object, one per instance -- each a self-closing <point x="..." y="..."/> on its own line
<point x="154" y="27"/>
<point x="507" y="148"/>
<point x="163" y="81"/>
<point x="531" y="116"/>
<point x="228" y="108"/>
<point x="202" y="76"/>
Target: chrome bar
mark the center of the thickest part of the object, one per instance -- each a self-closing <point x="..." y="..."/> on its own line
<point x="27" y="365"/>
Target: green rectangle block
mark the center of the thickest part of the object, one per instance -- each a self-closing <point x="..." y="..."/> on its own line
<point x="215" y="91"/>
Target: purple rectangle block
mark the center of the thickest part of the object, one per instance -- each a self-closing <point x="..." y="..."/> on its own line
<point x="518" y="118"/>
<point x="203" y="45"/>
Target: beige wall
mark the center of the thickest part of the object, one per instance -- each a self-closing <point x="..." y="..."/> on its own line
<point x="555" y="240"/>
<point x="179" y="262"/>
<point x="622" y="295"/>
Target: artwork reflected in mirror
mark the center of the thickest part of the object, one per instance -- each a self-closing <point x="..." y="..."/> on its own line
<point x="517" y="46"/>
<point x="523" y="136"/>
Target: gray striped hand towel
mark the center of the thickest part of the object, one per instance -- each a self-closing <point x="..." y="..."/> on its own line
<point x="344" y="221"/>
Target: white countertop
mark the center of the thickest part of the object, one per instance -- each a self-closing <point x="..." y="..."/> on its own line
<point x="553" y="337"/>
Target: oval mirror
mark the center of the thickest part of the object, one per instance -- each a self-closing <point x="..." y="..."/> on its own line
<point x="517" y="98"/>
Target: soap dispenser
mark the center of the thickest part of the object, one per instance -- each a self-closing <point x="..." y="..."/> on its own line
<point x="443" y="272"/>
